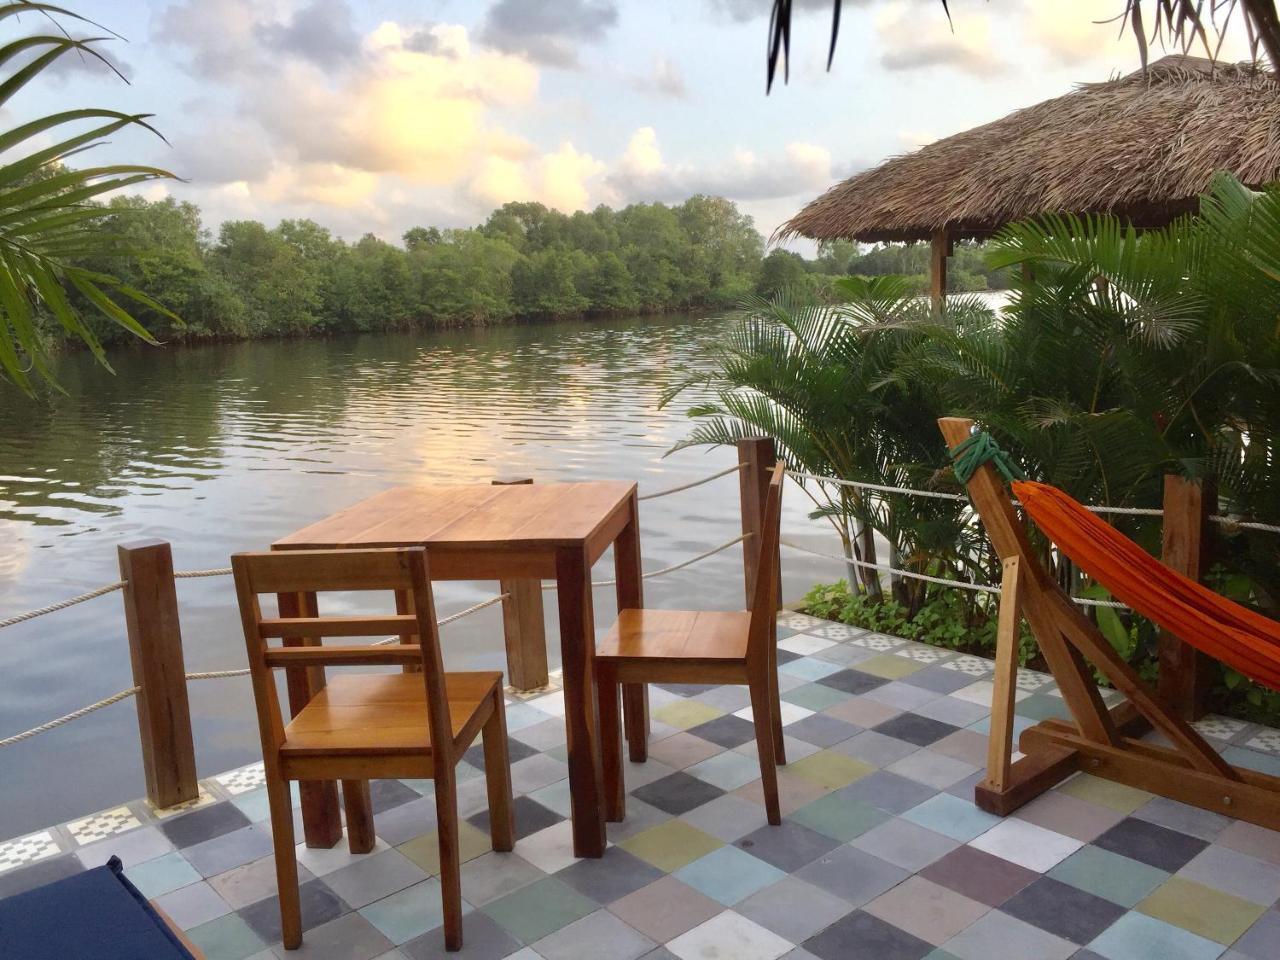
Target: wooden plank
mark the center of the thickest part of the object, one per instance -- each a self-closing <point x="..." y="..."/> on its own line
<point x="155" y="653"/>
<point x="523" y="626"/>
<point x="577" y="652"/>
<point x="335" y="626"/>
<point x="1033" y="774"/>
<point x="1186" y="674"/>
<point x="1000" y="738"/>
<point x="1161" y="770"/>
<point x="343" y="656"/>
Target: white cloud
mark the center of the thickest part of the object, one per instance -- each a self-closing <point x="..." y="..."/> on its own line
<point x="666" y="80"/>
<point x="914" y="35"/>
<point x="642" y="174"/>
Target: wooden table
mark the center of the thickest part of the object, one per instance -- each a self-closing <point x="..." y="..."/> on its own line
<point x="545" y="531"/>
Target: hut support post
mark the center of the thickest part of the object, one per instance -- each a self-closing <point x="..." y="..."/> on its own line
<point x="940" y="250"/>
<point x="1185" y="673"/>
<point x="155" y="652"/>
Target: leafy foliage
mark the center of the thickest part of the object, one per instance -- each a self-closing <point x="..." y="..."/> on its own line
<point x="49" y="222"/>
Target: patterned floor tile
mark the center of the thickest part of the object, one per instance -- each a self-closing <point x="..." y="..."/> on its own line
<point x="923" y="653"/>
<point x="805" y="644"/>
<point x="970" y="666"/>
<point x="1266" y="740"/>
<point x="729" y="934"/>
<point x="107" y="823"/>
<point x="26" y="850"/>
<point x="240" y="781"/>
<point x="859" y="934"/>
<point x="1218" y="727"/>
<point x="665" y="909"/>
<point x="203" y="799"/>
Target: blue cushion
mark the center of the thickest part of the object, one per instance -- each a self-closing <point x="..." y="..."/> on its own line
<point x="96" y="914"/>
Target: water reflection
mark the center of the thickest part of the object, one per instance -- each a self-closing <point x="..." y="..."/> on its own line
<point x="225" y="448"/>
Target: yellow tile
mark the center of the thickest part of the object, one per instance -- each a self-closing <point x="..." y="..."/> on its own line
<point x="669" y="846"/>
<point x="888" y="666"/>
<point x="829" y="769"/>
<point x="1106" y="793"/>
<point x="425" y="850"/>
<point x="684" y="714"/>
<point x="1202" y="910"/>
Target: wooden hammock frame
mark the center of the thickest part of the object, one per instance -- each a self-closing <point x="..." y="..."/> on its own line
<point x="1101" y="741"/>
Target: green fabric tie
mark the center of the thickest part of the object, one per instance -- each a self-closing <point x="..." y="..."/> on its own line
<point x="982" y="448"/>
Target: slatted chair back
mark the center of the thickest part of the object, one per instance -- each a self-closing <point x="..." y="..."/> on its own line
<point x="296" y="577"/>
<point x="764" y="593"/>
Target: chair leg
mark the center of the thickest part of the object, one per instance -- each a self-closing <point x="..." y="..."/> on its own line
<point x="450" y="860"/>
<point x="281" y="804"/>
<point x="761" y="716"/>
<point x="635" y="703"/>
<point x="611" y="746"/>
<point x="497" y="772"/>
<point x="775" y="717"/>
<point x="359" y="807"/>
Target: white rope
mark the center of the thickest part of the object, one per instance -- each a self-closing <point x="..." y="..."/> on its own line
<point x="62" y="604"/>
<point x="453" y="616"/>
<point x="693" y="483"/>
<point x="218" y="674"/>
<point x="881" y="488"/>
<point x="911" y="574"/>
<point x="73" y="715"/>
<point x="191" y="574"/>
<point x="671" y="569"/>
<point x="1245" y="524"/>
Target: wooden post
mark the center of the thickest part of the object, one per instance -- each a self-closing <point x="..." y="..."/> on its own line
<point x="757" y="457"/>
<point x="523" y="626"/>
<point x="155" y="651"/>
<point x="940" y="250"/>
<point x="1185" y="672"/>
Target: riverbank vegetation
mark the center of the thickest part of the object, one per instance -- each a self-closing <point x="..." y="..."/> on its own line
<point x="1121" y="358"/>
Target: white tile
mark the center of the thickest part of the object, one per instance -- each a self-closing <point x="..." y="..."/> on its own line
<point x="729" y="936"/>
<point x="551" y="849"/>
<point x="1027" y="845"/>
<point x="983" y="691"/>
<point x="552" y="704"/>
<point x="791" y="712"/>
<point x="320" y="860"/>
<point x="805" y="644"/>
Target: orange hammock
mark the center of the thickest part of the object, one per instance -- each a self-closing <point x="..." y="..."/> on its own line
<point x="1209" y="622"/>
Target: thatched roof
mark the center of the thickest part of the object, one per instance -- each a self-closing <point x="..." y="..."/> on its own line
<point x="1142" y="147"/>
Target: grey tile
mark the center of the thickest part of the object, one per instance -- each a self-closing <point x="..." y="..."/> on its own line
<point x="876" y="748"/>
<point x="1235" y="873"/>
<point x="203" y="824"/>
<point x="852" y="875"/>
<point x="904" y="696"/>
<point x="228" y="850"/>
<point x="888" y="791"/>
<point x="859" y="934"/>
<point x="349" y="937"/>
<point x="193" y="905"/>
<point x="319" y="906"/>
<point x="728" y="817"/>
<point x="534" y="773"/>
<point x="679" y="792"/>
<point x="135" y="847"/>
<point x="517" y="750"/>
<point x="1182" y="817"/>
<point x="1260" y="941"/>
<point x="542" y="736"/>
<point x="597" y="936"/>
<point x="905" y="844"/>
<point x="1151" y="844"/>
<point x="374" y="876"/>
<point x="385" y="794"/>
<point x="39" y="873"/>
<point x="979" y="875"/>
<point x="530" y="817"/>
<point x="1000" y="935"/>
<point x="1063" y="910"/>
<point x="494" y="875"/>
<point x="728" y="731"/>
<point x="788" y="846"/>
<point x="610" y="877"/>
<point x="482" y="939"/>
<point x="251" y="882"/>
<point x="793" y="909"/>
<point x="939" y="680"/>
<point x="405" y="821"/>
<point x="822" y="730"/>
<point x="640" y="817"/>
<point x="729" y="698"/>
<point x="853" y="681"/>
<point x="916" y="729"/>
<point x="952" y="710"/>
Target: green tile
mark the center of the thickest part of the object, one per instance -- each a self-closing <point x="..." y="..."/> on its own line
<point x="890" y="667"/>
<point x="227" y="938"/>
<point x="1203" y="910"/>
<point x="162" y="875"/>
<point x="1109" y="875"/>
<point x="829" y="769"/>
<point x="815" y="697"/>
<point x="424" y="850"/>
<point x="540" y="909"/>
<point x="839" y="817"/>
<point x="669" y="846"/>
<point x="684" y="714"/>
<point x="409" y="913"/>
<point x="1119" y="797"/>
<point x="1042" y="706"/>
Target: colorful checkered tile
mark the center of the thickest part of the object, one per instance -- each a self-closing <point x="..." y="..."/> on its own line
<point x="881" y="853"/>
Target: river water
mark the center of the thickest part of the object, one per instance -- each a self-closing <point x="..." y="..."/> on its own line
<point x="227" y="447"/>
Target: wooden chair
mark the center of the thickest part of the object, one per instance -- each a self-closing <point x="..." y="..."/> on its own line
<point x="412" y="724"/>
<point x="685" y="646"/>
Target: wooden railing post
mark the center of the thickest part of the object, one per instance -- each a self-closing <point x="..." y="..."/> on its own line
<point x="757" y="457"/>
<point x="155" y="651"/>
<point x="1185" y="672"/>
<point x="523" y="627"/>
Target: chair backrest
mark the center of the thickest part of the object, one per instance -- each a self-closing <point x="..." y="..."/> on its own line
<point x="296" y="577"/>
<point x="764" y="595"/>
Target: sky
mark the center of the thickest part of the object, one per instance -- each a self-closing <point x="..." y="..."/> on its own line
<point x="372" y="116"/>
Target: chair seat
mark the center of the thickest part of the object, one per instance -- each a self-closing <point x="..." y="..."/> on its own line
<point x="677" y="635"/>
<point x="381" y="714"/>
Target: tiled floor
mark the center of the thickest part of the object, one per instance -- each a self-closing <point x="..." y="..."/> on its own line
<point x="882" y="853"/>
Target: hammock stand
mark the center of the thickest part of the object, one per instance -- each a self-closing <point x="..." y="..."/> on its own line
<point x="1101" y="741"/>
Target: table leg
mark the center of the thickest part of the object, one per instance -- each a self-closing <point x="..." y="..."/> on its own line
<point x="321" y="821"/>
<point x="581" y="713"/>
<point x="630" y="593"/>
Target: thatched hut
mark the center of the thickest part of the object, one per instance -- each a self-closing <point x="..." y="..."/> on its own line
<point x="1142" y="147"/>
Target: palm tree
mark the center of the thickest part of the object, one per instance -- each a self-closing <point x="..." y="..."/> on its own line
<point x="1180" y="23"/>
<point x="48" y="211"/>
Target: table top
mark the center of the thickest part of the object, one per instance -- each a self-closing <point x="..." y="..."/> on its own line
<point x="471" y="516"/>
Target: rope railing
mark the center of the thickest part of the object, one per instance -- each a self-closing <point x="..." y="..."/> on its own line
<point x="944" y="581"/>
<point x="1225" y="520"/>
<point x="736" y="468"/>
<point x="674" y="567"/>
